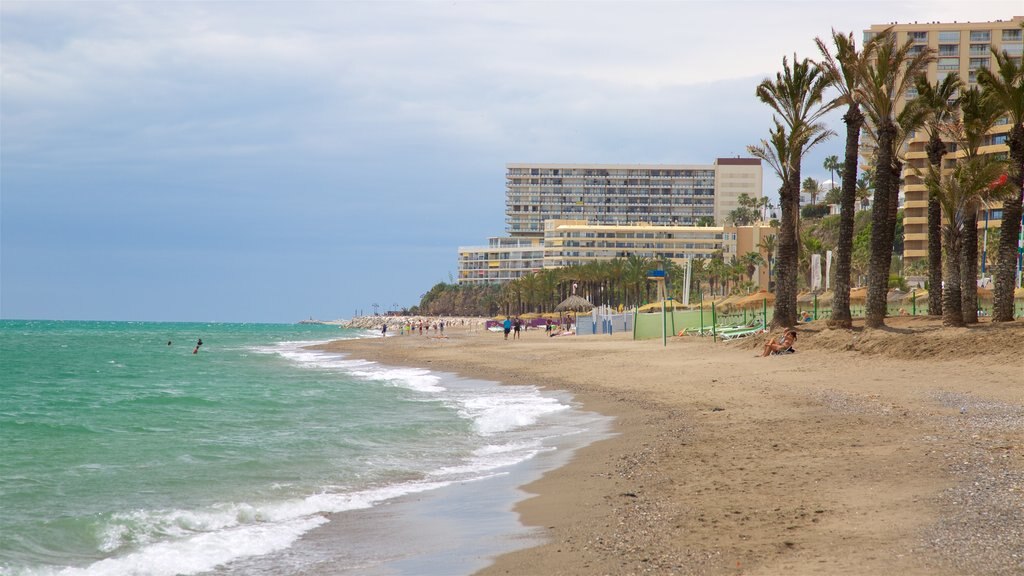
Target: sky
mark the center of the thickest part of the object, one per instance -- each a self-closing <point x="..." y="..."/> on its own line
<point x="274" y="161"/>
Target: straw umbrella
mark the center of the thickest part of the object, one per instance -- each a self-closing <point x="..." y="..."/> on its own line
<point x="574" y="303"/>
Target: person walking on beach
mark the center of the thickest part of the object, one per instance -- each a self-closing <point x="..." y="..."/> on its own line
<point x="384" y="330"/>
<point x="507" y="325"/>
<point x="515" y="328"/>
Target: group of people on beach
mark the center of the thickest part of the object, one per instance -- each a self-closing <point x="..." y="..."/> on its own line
<point x="411" y="327"/>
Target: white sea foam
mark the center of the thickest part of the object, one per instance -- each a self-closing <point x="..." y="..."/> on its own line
<point x="190" y="541"/>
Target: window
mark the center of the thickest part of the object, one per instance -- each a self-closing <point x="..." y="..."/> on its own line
<point x="978" y="63"/>
<point x="949" y="50"/>
<point x="979" y="49"/>
<point x="1013" y="35"/>
<point x="1014" y="50"/>
<point x="952" y="36"/>
<point x="981" y="35"/>
<point x="999" y="138"/>
<point x="918" y="37"/>
<point x="949" y="64"/>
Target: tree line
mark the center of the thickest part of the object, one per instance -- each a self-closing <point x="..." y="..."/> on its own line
<point x="870" y="82"/>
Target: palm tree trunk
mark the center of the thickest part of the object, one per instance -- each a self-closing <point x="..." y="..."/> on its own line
<point x="881" y="242"/>
<point x="1006" y="263"/>
<point x="969" y="269"/>
<point x="936" y="150"/>
<point x="934" y="257"/>
<point x="841" y="316"/>
<point x="952" y="311"/>
<point x="786" y="263"/>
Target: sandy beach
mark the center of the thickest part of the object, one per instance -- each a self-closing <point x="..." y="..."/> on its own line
<point x="867" y="452"/>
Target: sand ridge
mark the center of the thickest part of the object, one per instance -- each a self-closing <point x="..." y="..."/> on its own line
<point x="866" y="452"/>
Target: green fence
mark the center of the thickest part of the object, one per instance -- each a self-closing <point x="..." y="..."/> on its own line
<point x="699" y="321"/>
<point x="650" y="325"/>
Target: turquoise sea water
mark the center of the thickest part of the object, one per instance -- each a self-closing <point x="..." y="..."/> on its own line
<point x="122" y="452"/>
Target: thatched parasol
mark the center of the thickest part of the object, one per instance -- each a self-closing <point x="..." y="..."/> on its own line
<point x="895" y="296"/>
<point x="574" y="303"/>
<point x="859" y="294"/>
<point x="756" y="299"/>
<point x="824" y="298"/>
<point x="728" y="302"/>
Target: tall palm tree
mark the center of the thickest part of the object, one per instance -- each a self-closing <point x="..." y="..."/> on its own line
<point x="939" y="101"/>
<point x="979" y="114"/>
<point x="832" y="164"/>
<point x="768" y="244"/>
<point x="957" y="190"/>
<point x="885" y="79"/>
<point x="865" y="187"/>
<point x="812" y="188"/>
<point x="842" y="70"/>
<point x="796" y="95"/>
<point x="1005" y="84"/>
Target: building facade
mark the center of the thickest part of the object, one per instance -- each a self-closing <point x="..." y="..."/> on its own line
<point x="620" y="194"/>
<point x="964" y="48"/>
<point x="578" y="242"/>
<point x="502" y="260"/>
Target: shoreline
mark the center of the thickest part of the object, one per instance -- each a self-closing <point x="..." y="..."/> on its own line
<point x="846" y="458"/>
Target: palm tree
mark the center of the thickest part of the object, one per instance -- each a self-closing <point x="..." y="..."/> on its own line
<point x="939" y="101"/>
<point x="796" y="96"/>
<point x="635" y="277"/>
<point x="812" y="188"/>
<point x="751" y="260"/>
<point x="885" y="78"/>
<point x="811" y="246"/>
<point x="1006" y="86"/>
<point x="957" y="191"/>
<point x="842" y="71"/>
<point x="768" y="244"/>
<point x="865" y="187"/>
<point x="980" y="114"/>
<point x="832" y="162"/>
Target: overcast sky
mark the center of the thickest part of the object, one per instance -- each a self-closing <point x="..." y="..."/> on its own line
<point x="271" y="161"/>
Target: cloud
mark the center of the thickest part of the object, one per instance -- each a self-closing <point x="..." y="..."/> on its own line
<point x="240" y="127"/>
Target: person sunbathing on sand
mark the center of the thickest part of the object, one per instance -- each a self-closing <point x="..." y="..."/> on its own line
<point x="783" y="344"/>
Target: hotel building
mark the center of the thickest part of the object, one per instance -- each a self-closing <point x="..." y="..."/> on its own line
<point x="563" y="214"/>
<point x="578" y="242"/>
<point x="616" y="194"/>
<point x="964" y="48"/>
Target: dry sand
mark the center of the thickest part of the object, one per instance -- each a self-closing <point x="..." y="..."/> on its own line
<point x="894" y="451"/>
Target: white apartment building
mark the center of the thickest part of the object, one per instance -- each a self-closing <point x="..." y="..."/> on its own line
<point x="619" y="194"/>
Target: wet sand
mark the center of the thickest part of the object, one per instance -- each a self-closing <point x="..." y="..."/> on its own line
<point x="866" y="452"/>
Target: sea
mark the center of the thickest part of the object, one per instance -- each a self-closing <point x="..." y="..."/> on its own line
<point x="126" y="451"/>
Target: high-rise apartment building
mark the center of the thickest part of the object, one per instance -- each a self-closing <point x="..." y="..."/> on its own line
<point x="964" y="48"/>
<point x="619" y="194"/>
